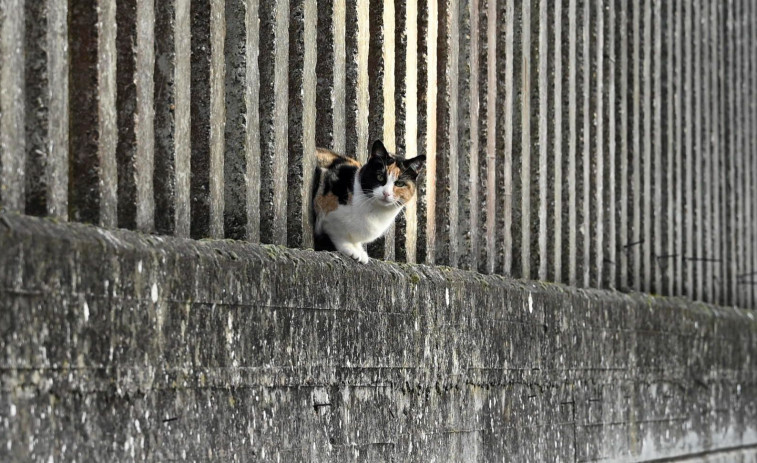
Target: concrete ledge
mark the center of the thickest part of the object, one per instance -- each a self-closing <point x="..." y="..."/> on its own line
<point x="119" y="346"/>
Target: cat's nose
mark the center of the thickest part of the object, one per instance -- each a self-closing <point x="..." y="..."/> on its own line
<point x="387" y="194"/>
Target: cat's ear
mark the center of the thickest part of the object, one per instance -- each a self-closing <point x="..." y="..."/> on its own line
<point x="378" y="150"/>
<point x="416" y="164"/>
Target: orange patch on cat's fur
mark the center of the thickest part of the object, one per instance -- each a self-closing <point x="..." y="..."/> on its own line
<point x="326" y="203"/>
<point x="404" y="193"/>
<point x="393" y="169"/>
<point x="326" y="157"/>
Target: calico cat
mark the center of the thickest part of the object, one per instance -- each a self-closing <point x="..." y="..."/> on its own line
<point x="356" y="204"/>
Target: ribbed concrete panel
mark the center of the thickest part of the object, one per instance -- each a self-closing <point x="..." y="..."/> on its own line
<point x="594" y="142"/>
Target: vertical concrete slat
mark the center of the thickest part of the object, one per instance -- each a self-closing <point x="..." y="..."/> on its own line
<point x="46" y="108"/>
<point x="513" y="141"/>
<point x="557" y="144"/>
<point x="586" y="145"/>
<point x="423" y="139"/>
<point x="172" y="118"/>
<point x="430" y="21"/>
<point x="303" y="18"/>
<point x="389" y="117"/>
<point x="135" y="114"/>
<point x="623" y="146"/>
<point x="12" y="128"/>
<point x="666" y="261"/>
<point x="339" y="74"/>
<point x="689" y="153"/>
<point x="646" y="154"/>
<point x="543" y="118"/>
<point x="208" y="69"/>
<point x="598" y="246"/>
<point x="730" y="156"/>
<point x="241" y="159"/>
<point x="611" y="259"/>
<point x="508" y="111"/>
<point x="753" y="156"/>
<point x="325" y="70"/>
<point x="411" y="131"/>
<point x="716" y="152"/>
<point x="273" y="62"/>
<point x="697" y="222"/>
<point x="679" y="149"/>
<point x="145" y="117"/>
<point x="526" y="140"/>
<point x="746" y="287"/>
<point x="448" y="49"/>
<point x="706" y="135"/>
<point x="470" y="229"/>
<point x="657" y="249"/>
<point x="92" y="123"/>
<point x="572" y="143"/>
<point x="363" y="82"/>
<point x="636" y="240"/>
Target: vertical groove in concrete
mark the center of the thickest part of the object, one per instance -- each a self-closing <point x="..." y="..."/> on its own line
<point x="706" y="135"/>
<point x="747" y="102"/>
<point x="753" y="159"/>
<point x="543" y="118"/>
<point x="126" y="107"/>
<point x="412" y="109"/>
<point x="572" y="277"/>
<point x="491" y="130"/>
<point x="301" y="120"/>
<point x="716" y="151"/>
<point x="372" y="108"/>
<point x="339" y="73"/>
<point x="92" y="125"/>
<point x="470" y="206"/>
<point x="363" y="82"/>
<point x="558" y="134"/>
<point x="274" y="98"/>
<point x="389" y="118"/>
<point x="36" y="81"/>
<point x="485" y="203"/>
<point x="46" y="108"/>
<point x="171" y="122"/>
<point x="679" y="134"/>
<point x="586" y="144"/>
<point x="657" y="147"/>
<point x="145" y="160"/>
<point x="448" y="48"/>
<point x="217" y="117"/>
<point x="309" y="83"/>
<point x="623" y="146"/>
<point x="666" y="262"/>
<point x="636" y="239"/>
<point x="200" y="11"/>
<point x="252" y="133"/>
<point x="401" y="117"/>
<point x="610" y="229"/>
<point x="512" y="165"/>
<point x="237" y="119"/>
<point x="12" y="130"/>
<point x="598" y="247"/>
<point x="697" y="222"/>
<point x="647" y="217"/>
<point x="350" y="99"/>
<point x="688" y="190"/>
<point x="424" y="198"/>
<point x="325" y="64"/>
<point x="526" y="141"/>
<point x="730" y="148"/>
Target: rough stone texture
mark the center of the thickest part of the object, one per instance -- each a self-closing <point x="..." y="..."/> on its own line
<point x="119" y="347"/>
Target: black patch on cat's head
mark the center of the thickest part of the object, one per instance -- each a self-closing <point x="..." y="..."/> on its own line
<point x="412" y="168"/>
<point x="373" y="174"/>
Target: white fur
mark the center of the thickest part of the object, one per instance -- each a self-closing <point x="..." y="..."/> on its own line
<point x="364" y="220"/>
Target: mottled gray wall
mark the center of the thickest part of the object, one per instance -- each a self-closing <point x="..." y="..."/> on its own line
<point x="118" y="346"/>
<point x="592" y="142"/>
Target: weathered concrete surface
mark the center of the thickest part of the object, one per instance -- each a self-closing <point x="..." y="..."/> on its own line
<point x="118" y="346"/>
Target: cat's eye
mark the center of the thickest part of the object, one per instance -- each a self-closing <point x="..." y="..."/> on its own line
<point x="399" y="183"/>
<point x="380" y="177"/>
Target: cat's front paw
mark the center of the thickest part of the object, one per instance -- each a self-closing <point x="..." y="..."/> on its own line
<point x="362" y="257"/>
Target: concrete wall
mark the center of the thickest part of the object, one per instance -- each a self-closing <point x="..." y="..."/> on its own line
<point x="598" y="143"/>
<point x="118" y="346"/>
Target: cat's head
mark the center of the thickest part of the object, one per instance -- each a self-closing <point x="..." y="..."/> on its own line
<point x="390" y="179"/>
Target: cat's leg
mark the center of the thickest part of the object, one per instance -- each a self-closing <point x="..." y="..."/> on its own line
<point x="353" y="250"/>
